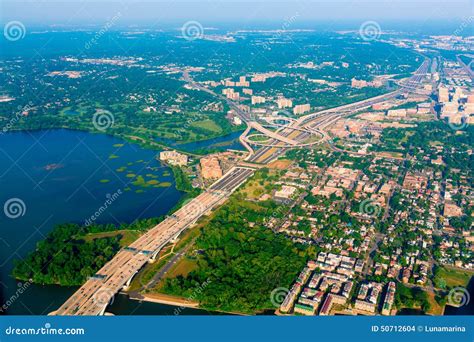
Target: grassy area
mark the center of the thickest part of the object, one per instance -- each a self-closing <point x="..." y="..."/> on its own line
<point x="209" y="125"/>
<point x="411" y="104"/>
<point x="254" y="190"/>
<point x="408" y="134"/>
<point x="150" y="269"/>
<point x="452" y="277"/>
<point x="435" y="308"/>
<point x="258" y="186"/>
<point x="182" y="268"/>
<point x="127" y="236"/>
<point x="240" y="261"/>
<point x="258" y="138"/>
<point x="389" y="154"/>
<point x="281" y="164"/>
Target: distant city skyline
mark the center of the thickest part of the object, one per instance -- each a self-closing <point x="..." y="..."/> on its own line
<point x="244" y="12"/>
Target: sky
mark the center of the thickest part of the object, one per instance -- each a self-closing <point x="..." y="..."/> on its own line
<point x="135" y="12"/>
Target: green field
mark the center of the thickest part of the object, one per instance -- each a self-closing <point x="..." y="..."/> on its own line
<point x="126" y="236"/>
<point x="207" y="125"/>
<point x="447" y="277"/>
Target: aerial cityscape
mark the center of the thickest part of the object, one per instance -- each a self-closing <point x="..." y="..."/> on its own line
<point x="208" y="168"/>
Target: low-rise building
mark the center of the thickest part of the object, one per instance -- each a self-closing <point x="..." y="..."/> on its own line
<point x="257" y="99"/>
<point x="331" y="299"/>
<point x="284" y="103"/>
<point x="210" y="168"/>
<point x="389" y="299"/>
<point x="300" y="109"/>
<point x="290" y="298"/>
<point x="398" y="113"/>
<point x="174" y="158"/>
<point x="364" y="306"/>
<point x="285" y="193"/>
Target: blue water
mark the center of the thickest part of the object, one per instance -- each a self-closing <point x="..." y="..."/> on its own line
<point x="57" y="175"/>
<point x="468" y="308"/>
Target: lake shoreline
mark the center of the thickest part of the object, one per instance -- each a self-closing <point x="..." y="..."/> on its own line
<point x="154" y="145"/>
<point x="180" y="303"/>
<point x="72" y="193"/>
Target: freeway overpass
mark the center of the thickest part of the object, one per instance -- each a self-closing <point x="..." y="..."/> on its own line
<point x="326" y="117"/>
<point x="94" y="296"/>
<point x="271" y="134"/>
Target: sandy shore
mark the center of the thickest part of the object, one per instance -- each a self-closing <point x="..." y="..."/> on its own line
<point x="166" y="299"/>
<point x="176" y="301"/>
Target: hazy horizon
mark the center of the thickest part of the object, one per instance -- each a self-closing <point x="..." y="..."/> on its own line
<point x="243" y="12"/>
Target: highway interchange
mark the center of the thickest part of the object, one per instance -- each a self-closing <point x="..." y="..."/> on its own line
<point x="93" y="296"/>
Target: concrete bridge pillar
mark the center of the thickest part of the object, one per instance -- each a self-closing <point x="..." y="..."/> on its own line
<point x="129" y="281"/>
<point x="153" y="257"/>
<point x="175" y="238"/>
<point x="102" y="311"/>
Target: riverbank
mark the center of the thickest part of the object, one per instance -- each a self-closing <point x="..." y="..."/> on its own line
<point x="166" y="299"/>
<point x="180" y="303"/>
<point x="71" y="193"/>
<point x="195" y="148"/>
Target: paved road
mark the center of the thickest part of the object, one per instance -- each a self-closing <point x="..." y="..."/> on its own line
<point x="467" y="68"/>
<point x="94" y="296"/>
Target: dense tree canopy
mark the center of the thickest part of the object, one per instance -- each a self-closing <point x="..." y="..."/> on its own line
<point x="67" y="257"/>
<point x="241" y="265"/>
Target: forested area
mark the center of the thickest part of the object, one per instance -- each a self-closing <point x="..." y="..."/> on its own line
<point x="240" y="261"/>
<point x="66" y="257"/>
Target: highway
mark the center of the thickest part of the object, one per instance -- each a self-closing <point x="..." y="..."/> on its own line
<point x="466" y="68"/>
<point x="325" y="118"/>
<point x="93" y="297"/>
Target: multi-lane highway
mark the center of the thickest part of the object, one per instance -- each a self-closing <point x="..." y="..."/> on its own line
<point x="94" y="296"/>
<point x="467" y="68"/>
<point x="325" y="118"/>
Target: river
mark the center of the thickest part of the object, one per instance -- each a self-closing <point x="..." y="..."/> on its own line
<point x="219" y="144"/>
<point x="60" y="176"/>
